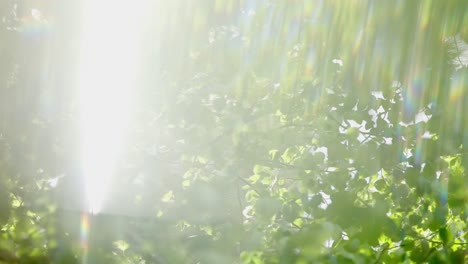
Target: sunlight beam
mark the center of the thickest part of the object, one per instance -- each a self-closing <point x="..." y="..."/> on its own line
<point x="108" y="68"/>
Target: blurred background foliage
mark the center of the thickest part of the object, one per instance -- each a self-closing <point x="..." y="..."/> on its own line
<point x="266" y="132"/>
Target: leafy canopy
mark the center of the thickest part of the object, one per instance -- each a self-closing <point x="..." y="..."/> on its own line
<point x="285" y="132"/>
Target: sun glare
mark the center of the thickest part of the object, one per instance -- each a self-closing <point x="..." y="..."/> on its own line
<point x="108" y="68"/>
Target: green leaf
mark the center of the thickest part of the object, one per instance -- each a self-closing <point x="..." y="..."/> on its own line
<point x="291" y="211"/>
<point x="254" y="178"/>
<point x="408" y="244"/>
<point x="420" y="251"/>
<point x="438" y="218"/>
<point x="267" y="207"/>
<point x="273" y="154"/>
<point x="457" y="256"/>
<point x="445" y="235"/>
<point x="167" y="197"/>
<point x="121" y="245"/>
<point x="414" y="219"/>
<point x="380" y="185"/>
<point x="353" y="245"/>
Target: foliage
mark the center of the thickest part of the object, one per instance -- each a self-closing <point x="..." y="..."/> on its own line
<point x="301" y="132"/>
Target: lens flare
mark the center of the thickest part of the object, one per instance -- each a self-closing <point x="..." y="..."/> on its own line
<point x="84" y="232"/>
